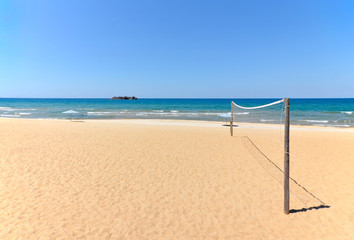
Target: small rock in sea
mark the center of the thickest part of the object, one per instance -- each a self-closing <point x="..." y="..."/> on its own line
<point x="125" y="98"/>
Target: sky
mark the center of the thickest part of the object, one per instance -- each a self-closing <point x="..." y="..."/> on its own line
<point x="176" y="49"/>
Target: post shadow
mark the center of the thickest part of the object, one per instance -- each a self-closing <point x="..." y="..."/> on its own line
<point x="309" y="209"/>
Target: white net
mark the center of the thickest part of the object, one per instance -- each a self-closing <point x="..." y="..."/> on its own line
<point x="253" y="120"/>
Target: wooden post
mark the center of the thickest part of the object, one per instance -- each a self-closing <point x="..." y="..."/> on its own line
<point x="286" y="156"/>
<point x="232" y="120"/>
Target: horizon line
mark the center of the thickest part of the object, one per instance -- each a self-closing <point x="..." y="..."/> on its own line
<point x="178" y="98"/>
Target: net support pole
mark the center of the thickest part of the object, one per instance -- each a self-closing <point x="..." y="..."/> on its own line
<point x="286" y="155"/>
<point x="232" y="120"/>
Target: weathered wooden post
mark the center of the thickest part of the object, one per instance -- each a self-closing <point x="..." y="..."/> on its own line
<point x="286" y="156"/>
<point x="232" y="120"/>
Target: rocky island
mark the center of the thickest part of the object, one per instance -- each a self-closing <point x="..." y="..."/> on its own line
<point x="124" y="98"/>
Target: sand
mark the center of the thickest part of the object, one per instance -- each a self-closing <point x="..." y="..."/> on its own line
<point x="154" y="179"/>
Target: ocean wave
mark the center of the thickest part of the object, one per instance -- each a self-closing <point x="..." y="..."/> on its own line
<point x="225" y="115"/>
<point x="347" y="112"/>
<point x="102" y="113"/>
<point x="211" y="114"/>
<point x="267" y="120"/>
<point x="10" y="115"/>
<point x="316" y="121"/>
<point x="70" y="112"/>
<point x="25" y="109"/>
<point x="7" y="109"/>
<point x="157" y="113"/>
<point x="152" y="113"/>
<point x="338" y="125"/>
<point x="181" y="114"/>
<point x="242" y="113"/>
<point x="24" y="114"/>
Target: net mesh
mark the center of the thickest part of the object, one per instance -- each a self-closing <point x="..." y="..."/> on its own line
<point x="254" y="120"/>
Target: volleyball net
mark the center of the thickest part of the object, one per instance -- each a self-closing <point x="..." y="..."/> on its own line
<point x="249" y="119"/>
<point x="265" y="131"/>
<point x="245" y="116"/>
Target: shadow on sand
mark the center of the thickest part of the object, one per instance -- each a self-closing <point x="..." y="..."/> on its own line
<point x="308" y="209"/>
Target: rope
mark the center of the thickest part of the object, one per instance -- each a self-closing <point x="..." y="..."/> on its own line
<point x="262" y="106"/>
<point x="276" y="166"/>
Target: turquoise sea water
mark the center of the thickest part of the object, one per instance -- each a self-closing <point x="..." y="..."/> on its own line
<point x="323" y="112"/>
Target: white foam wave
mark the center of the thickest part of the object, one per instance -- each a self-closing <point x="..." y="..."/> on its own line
<point x="10" y="115"/>
<point x="174" y="111"/>
<point x="24" y="114"/>
<point x="242" y="113"/>
<point x="267" y="120"/>
<point x="7" y="109"/>
<point x="225" y="115"/>
<point x="70" y="112"/>
<point x="158" y="111"/>
<point x="210" y="114"/>
<point x="347" y="112"/>
<point x="316" y="121"/>
<point x="102" y="113"/>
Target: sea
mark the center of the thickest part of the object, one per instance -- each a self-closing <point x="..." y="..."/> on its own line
<point x="332" y="112"/>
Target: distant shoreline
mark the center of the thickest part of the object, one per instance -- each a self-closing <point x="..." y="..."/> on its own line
<point x="195" y="123"/>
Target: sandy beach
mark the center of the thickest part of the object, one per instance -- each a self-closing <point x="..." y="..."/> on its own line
<point x="164" y="179"/>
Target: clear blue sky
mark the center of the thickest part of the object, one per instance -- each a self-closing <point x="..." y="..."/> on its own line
<point x="72" y="48"/>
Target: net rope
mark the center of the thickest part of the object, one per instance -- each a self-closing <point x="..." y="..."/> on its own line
<point x="257" y="107"/>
